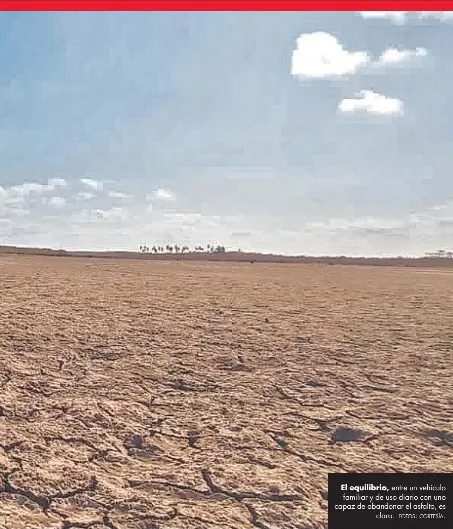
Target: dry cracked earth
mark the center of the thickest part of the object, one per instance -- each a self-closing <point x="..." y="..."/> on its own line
<point x="184" y="395"/>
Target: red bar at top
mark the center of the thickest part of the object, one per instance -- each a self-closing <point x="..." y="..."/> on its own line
<point x="223" y="5"/>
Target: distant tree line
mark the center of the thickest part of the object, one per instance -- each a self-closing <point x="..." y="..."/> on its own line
<point x="440" y="253"/>
<point x="175" y="248"/>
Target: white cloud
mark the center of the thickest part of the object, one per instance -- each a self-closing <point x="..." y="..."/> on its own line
<point x="162" y="194"/>
<point x="92" y="184"/>
<point x="25" y="191"/>
<point x="117" y="194"/>
<point x="436" y="15"/>
<point x="369" y="102"/>
<point x="27" y="188"/>
<point x="84" y="195"/>
<point x="112" y="214"/>
<point x="411" y="234"/>
<point x="320" y="55"/>
<point x="396" y="57"/>
<point x="396" y="16"/>
<point x="83" y="226"/>
<point x="400" y="17"/>
<point x="57" y="202"/>
<point x="57" y="182"/>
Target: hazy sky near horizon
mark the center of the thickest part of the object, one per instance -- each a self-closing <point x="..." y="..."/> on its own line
<point x="300" y="133"/>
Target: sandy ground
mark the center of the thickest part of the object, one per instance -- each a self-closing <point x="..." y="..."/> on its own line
<point x="168" y="395"/>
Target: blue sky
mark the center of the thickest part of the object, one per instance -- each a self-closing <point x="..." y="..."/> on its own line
<point x="299" y="133"/>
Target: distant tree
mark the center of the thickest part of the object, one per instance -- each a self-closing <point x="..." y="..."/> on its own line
<point x="154" y="249"/>
<point x="177" y="248"/>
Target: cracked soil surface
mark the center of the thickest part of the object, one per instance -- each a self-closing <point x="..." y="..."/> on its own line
<point x="185" y="395"/>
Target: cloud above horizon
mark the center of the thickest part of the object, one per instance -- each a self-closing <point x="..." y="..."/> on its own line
<point x="313" y="133"/>
<point x="319" y="55"/>
<point x="162" y="194"/>
<point x="369" y="102"/>
<point x="55" y="220"/>
<point x="400" y="17"/>
<point x="399" y="57"/>
<point x="92" y="184"/>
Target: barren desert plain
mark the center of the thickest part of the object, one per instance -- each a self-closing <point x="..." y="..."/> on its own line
<point x="154" y="394"/>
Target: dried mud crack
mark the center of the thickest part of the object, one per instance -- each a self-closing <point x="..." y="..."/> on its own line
<point x="42" y="501"/>
<point x="191" y="395"/>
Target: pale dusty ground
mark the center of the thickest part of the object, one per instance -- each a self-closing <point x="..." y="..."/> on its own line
<point x="144" y="395"/>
